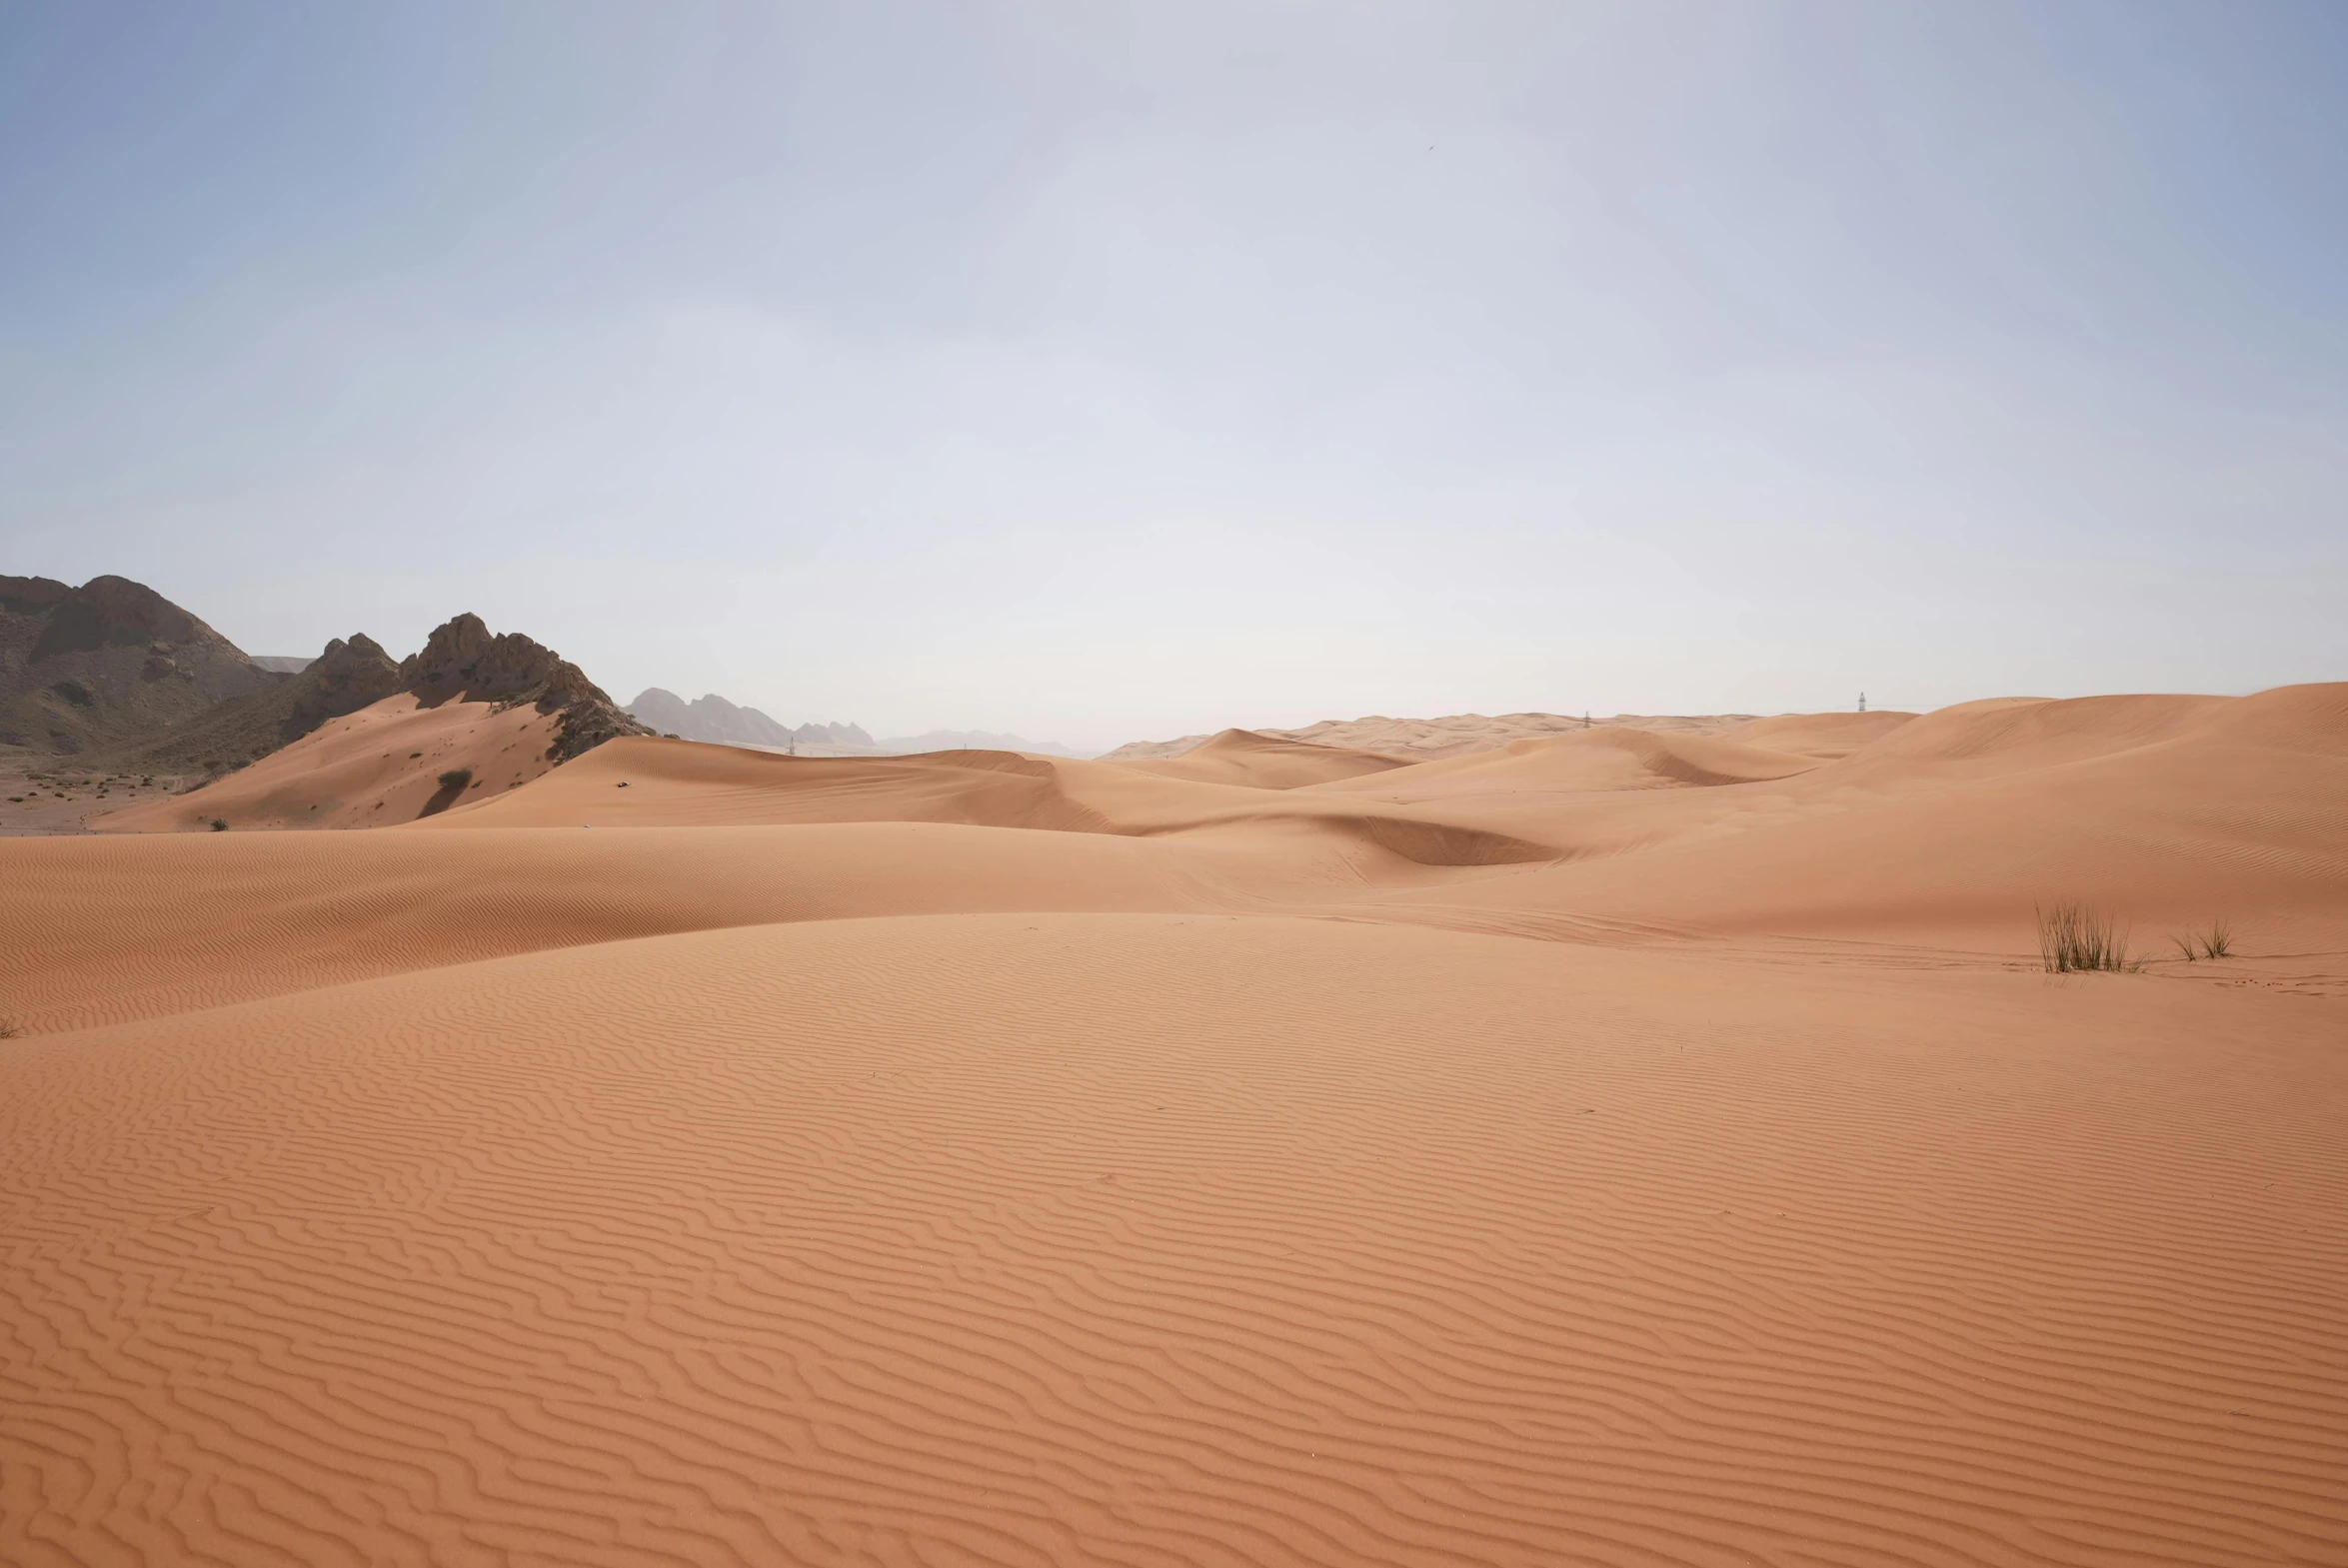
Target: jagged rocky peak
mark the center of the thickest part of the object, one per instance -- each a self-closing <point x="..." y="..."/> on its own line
<point x="461" y="658"/>
<point x="352" y="672"/>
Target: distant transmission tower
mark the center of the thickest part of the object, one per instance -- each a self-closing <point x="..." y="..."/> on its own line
<point x="1863" y="702"/>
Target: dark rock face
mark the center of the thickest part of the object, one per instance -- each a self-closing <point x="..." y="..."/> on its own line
<point x="109" y="663"/>
<point x="112" y="611"/>
<point x="462" y="659"/>
<point x="346" y="677"/>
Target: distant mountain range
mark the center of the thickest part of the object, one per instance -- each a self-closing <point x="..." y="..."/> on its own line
<point x="118" y="675"/>
<point x="712" y="719"/>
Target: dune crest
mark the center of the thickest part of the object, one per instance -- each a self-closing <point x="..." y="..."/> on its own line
<point x="1265" y="762"/>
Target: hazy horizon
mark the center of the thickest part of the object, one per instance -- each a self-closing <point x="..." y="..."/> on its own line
<point x="1104" y="374"/>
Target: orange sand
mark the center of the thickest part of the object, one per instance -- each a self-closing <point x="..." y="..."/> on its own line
<point x="372" y="769"/>
<point x="1619" y="1148"/>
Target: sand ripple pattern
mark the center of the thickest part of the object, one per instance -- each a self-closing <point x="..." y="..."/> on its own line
<point x="1161" y="1239"/>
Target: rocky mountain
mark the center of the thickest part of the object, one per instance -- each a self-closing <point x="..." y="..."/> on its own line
<point x="347" y="676"/>
<point x="708" y="718"/>
<point x="711" y="718"/>
<point x="462" y="659"/>
<point x="109" y="661"/>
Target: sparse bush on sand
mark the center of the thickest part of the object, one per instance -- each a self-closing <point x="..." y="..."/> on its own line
<point x="2216" y="942"/>
<point x="2075" y="939"/>
<point x="456" y="778"/>
<point x="218" y="825"/>
<point x="9" y="1029"/>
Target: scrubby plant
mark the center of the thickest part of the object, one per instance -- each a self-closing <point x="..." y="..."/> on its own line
<point x="9" y="1029"/>
<point x="2216" y="942"/>
<point x="456" y="778"/>
<point x="2076" y="939"/>
<point x="218" y="825"/>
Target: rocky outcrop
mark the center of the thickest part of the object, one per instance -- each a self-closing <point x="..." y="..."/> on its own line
<point x="108" y="663"/>
<point x="351" y="673"/>
<point x="347" y="676"/>
<point x="463" y="659"/>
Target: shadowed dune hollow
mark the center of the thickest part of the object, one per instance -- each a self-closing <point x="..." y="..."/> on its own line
<point x="1626" y="1145"/>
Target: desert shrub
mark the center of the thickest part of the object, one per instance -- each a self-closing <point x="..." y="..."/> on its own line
<point x="218" y="825"/>
<point x="456" y="778"/>
<point x="2076" y="939"/>
<point x="9" y="1029"/>
<point x="2216" y="942"/>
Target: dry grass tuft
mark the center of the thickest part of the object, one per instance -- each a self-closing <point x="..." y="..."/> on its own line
<point x="2216" y="942"/>
<point x="2075" y="939"/>
<point x="10" y="1029"/>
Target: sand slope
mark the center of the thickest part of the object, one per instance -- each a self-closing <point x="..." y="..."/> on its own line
<point x="377" y="766"/>
<point x="1609" y="1148"/>
<point x="1455" y="734"/>
<point x="1261" y="762"/>
<point x="1171" y="1239"/>
<point x="1590" y="759"/>
<point x="1824" y="736"/>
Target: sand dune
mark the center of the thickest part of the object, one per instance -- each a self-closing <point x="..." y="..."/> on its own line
<point x="1590" y="759"/>
<point x="1171" y="1239"/>
<point x="1453" y="735"/>
<point x="379" y="766"/>
<point x="1824" y="736"/>
<point x="1262" y="762"/>
<point x="1623" y="1146"/>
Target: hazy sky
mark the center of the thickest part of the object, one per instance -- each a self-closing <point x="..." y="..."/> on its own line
<point x="1099" y="372"/>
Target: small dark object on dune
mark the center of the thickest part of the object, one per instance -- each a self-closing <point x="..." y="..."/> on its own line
<point x="218" y="825"/>
<point x="456" y="778"/>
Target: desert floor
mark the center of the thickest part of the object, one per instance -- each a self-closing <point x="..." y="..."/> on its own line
<point x="1628" y="1146"/>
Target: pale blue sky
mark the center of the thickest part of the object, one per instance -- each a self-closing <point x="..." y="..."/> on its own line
<point x="1102" y="372"/>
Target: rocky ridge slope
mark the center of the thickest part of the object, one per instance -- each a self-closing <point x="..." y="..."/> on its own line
<point x="107" y="661"/>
